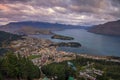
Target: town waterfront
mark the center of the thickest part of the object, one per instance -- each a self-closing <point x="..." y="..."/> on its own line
<point x="93" y="44"/>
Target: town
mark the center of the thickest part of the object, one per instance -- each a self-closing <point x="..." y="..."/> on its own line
<point x="41" y="53"/>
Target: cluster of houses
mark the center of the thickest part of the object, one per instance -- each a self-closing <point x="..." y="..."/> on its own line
<point x="49" y="54"/>
<point x="89" y="72"/>
<point x="33" y="46"/>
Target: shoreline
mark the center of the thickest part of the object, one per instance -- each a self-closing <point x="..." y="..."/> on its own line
<point x="106" y="54"/>
<point x="32" y="47"/>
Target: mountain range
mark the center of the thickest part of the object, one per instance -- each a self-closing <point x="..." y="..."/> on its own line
<point x="33" y="27"/>
<point x="109" y="28"/>
<point x="30" y="27"/>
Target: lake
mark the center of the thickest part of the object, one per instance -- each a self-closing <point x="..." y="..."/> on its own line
<point x="93" y="44"/>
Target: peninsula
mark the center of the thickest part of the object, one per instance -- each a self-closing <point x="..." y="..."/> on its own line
<point x="67" y="44"/>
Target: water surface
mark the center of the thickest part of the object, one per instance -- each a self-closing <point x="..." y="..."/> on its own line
<point x="91" y="43"/>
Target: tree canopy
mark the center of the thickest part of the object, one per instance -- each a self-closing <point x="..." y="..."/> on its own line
<point x="17" y="67"/>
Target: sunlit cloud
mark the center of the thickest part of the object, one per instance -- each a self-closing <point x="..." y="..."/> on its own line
<point x="3" y="7"/>
<point x="74" y="12"/>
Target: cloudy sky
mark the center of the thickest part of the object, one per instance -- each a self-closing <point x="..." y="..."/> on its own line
<point x="75" y="12"/>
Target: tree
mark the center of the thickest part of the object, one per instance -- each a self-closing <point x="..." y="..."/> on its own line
<point x="15" y="66"/>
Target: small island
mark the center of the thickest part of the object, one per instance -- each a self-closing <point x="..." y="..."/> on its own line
<point x="67" y="44"/>
<point x="61" y="37"/>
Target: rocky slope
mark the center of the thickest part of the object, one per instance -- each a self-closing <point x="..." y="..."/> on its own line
<point x="110" y="28"/>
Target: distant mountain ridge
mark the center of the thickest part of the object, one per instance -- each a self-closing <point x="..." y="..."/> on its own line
<point x="109" y="28"/>
<point x="37" y="24"/>
<point x="18" y="26"/>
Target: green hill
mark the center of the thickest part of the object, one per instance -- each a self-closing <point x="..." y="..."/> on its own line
<point x="5" y="39"/>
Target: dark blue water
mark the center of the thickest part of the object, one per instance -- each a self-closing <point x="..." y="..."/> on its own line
<point x="94" y="44"/>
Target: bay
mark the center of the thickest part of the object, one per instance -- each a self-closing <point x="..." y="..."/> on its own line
<point x="93" y="44"/>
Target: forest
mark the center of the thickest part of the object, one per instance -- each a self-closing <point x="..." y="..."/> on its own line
<point x="17" y="67"/>
<point x="63" y="71"/>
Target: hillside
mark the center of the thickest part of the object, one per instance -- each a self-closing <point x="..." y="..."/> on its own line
<point x="32" y="30"/>
<point x="16" y="67"/>
<point x="5" y="39"/>
<point x="110" y="28"/>
<point x="34" y="26"/>
<point x="83" y="65"/>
